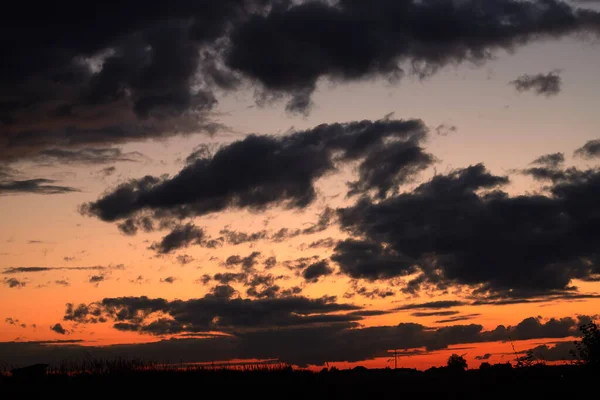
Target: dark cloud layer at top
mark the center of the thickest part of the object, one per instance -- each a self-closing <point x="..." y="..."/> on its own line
<point x="261" y="171"/>
<point x="290" y="49"/>
<point x="34" y="186"/>
<point x="100" y="75"/>
<point x="461" y="228"/>
<point x="103" y="75"/>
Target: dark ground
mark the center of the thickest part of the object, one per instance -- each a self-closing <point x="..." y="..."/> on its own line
<point x="495" y="382"/>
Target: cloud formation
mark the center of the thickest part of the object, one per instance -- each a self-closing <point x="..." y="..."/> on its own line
<point x="14" y="283"/>
<point x="260" y="171"/>
<point x="210" y="313"/>
<point x="33" y="186"/>
<point x="542" y="84"/>
<point x="23" y="270"/>
<point x="589" y="150"/>
<point x="462" y="229"/>
<point x="301" y="345"/>
<point x="113" y="79"/>
<point x="313" y="272"/>
<point x="58" y="328"/>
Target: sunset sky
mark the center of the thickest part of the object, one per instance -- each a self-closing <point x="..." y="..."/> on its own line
<point x="307" y="181"/>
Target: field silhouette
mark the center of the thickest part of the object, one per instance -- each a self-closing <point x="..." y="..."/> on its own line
<point x="528" y="378"/>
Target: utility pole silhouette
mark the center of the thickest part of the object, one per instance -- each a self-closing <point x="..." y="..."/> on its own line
<point x="395" y="359"/>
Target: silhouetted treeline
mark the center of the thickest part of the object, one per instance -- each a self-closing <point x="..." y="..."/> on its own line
<point x="285" y="382"/>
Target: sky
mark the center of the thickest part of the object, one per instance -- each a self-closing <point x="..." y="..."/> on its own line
<point x="312" y="182"/>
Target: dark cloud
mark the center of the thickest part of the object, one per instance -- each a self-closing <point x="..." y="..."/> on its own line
<point x="389" y="167"/>
<point x="486" y="356"/>
<point x="434" y="313"/>
<point x="168" y="279"/>
<point x="223" y="292"/>
<point x="270" y="262"/>
<point x="21" y="270"/>
<point x="180" y="237"/>
<point x="34" y="186"/>
<point x="325" y="220"/>
<point x="440" y="304"/>
<point x="108" y="171"/>
<point x="589" y="150"/>
<point x="370" y="260"/>
<point x="246" y="263"/>
<point x="445" y="130"/>
<point x="562" y="351"/>
<point x="259" y="285"/>
<point x="216" y="311"/>
<point x="543" y="84"/>
<point x="321" y="243"/>
<point x="553" y="160"/>
<point x="457" y="318"/>
<point x="119" y="76"/>
<point x="58" y="328"/>
<point x="368" y="313"/>
<point x="62" y="282"/>
<point x="302" y="345"/>
<point x="236" y="237"/>
<point x="96" y="279"/>
<point x="126" y="75"/>
<point x="86" y="156"/>
<point x="461" y="229"/>
<point x="14" y="283"/>
<point x="313" y="272"/>
<point x="15" y="322"/>
<point x="184" y="259"/>
<point x="288" y="50"/>
<point x="374" y="293"/>
<point x="83" y="313"/>
<point x="261" y="171"/>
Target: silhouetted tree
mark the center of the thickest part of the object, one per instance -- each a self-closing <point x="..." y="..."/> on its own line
<point x="457" y="363"/>
<point x="485" y="365"/>
<point x="588" y="349"/>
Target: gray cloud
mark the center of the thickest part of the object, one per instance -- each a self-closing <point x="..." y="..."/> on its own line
<point x="213" y="312"/>
<point x="440" y="304"/>
<point x="58" y="328"/>
<point x="181" y="236"/>
<point x="156" y="73"/>
<point x="433" y="313"/>
<point x="96" y="279"/>
<point x="589" y="150"/>
<point x="457" y="318"/>
<point x="33" y="186"/>
<point x="86" y="156"/>
<point x="22" y="270"/>
<point x="261" y="171"/>
<point x="553" y="160"/>
<point x="14" y="283"/>
<point x="288" y="50"/>
<point x="301" y="345"/>
<point x="15" y="322"/>
<point x="461" y="229"/>
<point x="313" y="272"/>
<point x="542" y="84"/>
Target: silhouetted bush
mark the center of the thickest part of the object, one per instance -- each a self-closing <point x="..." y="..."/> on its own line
<point x="457" y="363"/>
